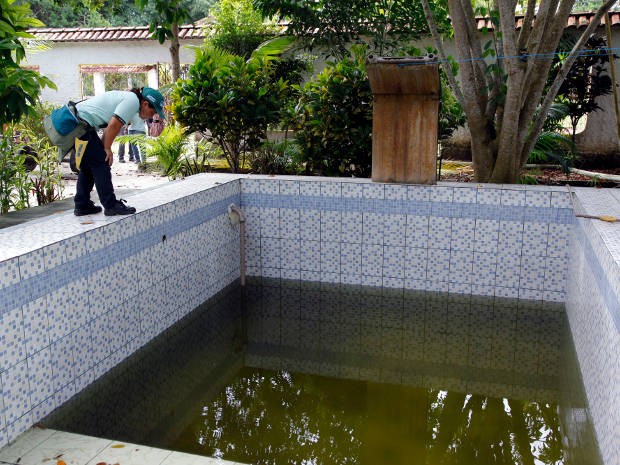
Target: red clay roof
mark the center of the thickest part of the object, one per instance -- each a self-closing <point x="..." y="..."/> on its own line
<point x="98" y="34"/>
<point x="191" y="31"/>
<point x="575" y="20"/>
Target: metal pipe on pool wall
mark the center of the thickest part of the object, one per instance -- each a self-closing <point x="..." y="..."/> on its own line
<point x="236" y="216"/>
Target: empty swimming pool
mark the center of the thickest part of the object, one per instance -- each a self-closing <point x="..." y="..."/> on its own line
<point x="307" y="373"/>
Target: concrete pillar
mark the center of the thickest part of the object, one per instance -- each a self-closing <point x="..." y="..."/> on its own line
<point x="153" y="78"/>
<point x="99" y="83"/>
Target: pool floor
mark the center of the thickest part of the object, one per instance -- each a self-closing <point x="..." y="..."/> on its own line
<point x="284" y="373"/>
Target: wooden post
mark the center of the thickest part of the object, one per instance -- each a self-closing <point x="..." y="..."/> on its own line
<point x="406" y="95"/>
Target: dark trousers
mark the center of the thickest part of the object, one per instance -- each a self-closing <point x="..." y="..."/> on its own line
<point x="94" y="171"/>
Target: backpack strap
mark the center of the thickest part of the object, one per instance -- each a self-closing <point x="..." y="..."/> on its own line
<point x="72" y="106"/>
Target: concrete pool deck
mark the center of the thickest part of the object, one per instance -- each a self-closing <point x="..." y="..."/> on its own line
<point x="46" y="446"/>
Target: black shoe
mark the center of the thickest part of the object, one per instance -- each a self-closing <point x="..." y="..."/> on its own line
<point x="90" y="210"/>
<point x="121" y="161"/>
<point x="119" y="209"/>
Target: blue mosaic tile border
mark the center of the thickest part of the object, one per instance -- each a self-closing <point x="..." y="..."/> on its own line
<point x="411" y="207"/>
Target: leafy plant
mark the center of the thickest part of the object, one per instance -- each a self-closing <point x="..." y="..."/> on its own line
<point x="19" y="88"/>
<point x="586" y="80"/>
<point x="232" y="99"/>
<point x="280" y="157"/>
<point x="200" y="160"/>
<point x="168" y="148"/>
<point x="41" y="157"/>
<point x="14" y="180"/>
<point x="334" y="119"/>
<point x="238" y="28"/>
<point x="28" y="163"/>
<point x="383" y="26"/>
<point x="554" y="147"/>
<point x="173" y="152"/>
<point x="46" y="178"/>
<point x="552" y="144"/>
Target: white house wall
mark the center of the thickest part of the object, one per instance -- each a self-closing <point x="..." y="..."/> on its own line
<point x="61" y="63"/>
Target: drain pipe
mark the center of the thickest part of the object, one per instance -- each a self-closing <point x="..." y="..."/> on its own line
<point x="236" y="216"/>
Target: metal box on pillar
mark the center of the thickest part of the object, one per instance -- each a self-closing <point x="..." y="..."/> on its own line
<point x="406" y="94"/>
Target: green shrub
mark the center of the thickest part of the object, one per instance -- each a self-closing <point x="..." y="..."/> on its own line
<point x="28" y="163"/>
<point x="230" y="99"/>
<point x="277" y="158"/>
<point x="19" y="88"/>
<point x="14" y="180"/>
<point x="552" y="147"/>
<point x="169" y="148"/>
<point x="238" y="28"/>
<point x="334" y="120"/>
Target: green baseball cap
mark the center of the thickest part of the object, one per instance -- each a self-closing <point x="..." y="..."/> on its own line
<point x="155" y="98"/>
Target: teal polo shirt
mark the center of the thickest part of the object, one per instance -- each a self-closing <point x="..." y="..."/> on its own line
<point x="98" y="110"/>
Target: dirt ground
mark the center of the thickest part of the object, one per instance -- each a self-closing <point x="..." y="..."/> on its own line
<point x="547" y="176"/>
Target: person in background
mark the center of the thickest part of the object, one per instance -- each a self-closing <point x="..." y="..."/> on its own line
<point x="110" y="110"/>
<point x="155" y="126"/>
<point x="138" y="127"/>
<point x="121" y="146"/>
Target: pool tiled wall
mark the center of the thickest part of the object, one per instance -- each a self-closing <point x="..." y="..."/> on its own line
<point x="79" y="296"/>
<point x="507" y="241"/>
<point x="593" y="309"/>
<point x="92" y="290"/>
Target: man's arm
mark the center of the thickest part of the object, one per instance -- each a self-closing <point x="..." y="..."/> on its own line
<point x="111" y="131"/>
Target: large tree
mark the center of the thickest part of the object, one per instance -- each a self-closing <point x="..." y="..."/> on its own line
<point x="503" y="71"/>
<point x="385" y="26"/>
<point x="165" y="25"/>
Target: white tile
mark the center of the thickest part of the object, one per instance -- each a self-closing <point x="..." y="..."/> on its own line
<point x="25" y="443"/>
<point x="130" y="454"/>
<point x="16" y="392"/>
<point x="9" y="272"/>
<point x="31" y="264"/>
<point x="74" y="449"/>
<point x="180" y="458"/>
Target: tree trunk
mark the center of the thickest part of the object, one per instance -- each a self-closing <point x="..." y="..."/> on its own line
<point x="174" y="53"/>
<point x="502" y="96"/>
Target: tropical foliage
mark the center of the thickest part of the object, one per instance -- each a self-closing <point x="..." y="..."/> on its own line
<point x="384" y="25"/>
<point x="231" y="99"/>
<point x="238" y="28"/>
<point x="586" y="80"/>
<point x="19" y="88"/>
<point x="333" y="119"/>
<point x="169" y="149"/>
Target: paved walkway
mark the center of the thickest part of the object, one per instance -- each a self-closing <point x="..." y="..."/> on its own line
<point x="47" y="446"/>
<point x="126" y="177"/>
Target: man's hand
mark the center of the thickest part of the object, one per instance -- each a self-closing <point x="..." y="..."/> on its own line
<point x="109" y="156"/>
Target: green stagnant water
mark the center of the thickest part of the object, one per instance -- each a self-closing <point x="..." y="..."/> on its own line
<point x="302" y="373"/>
